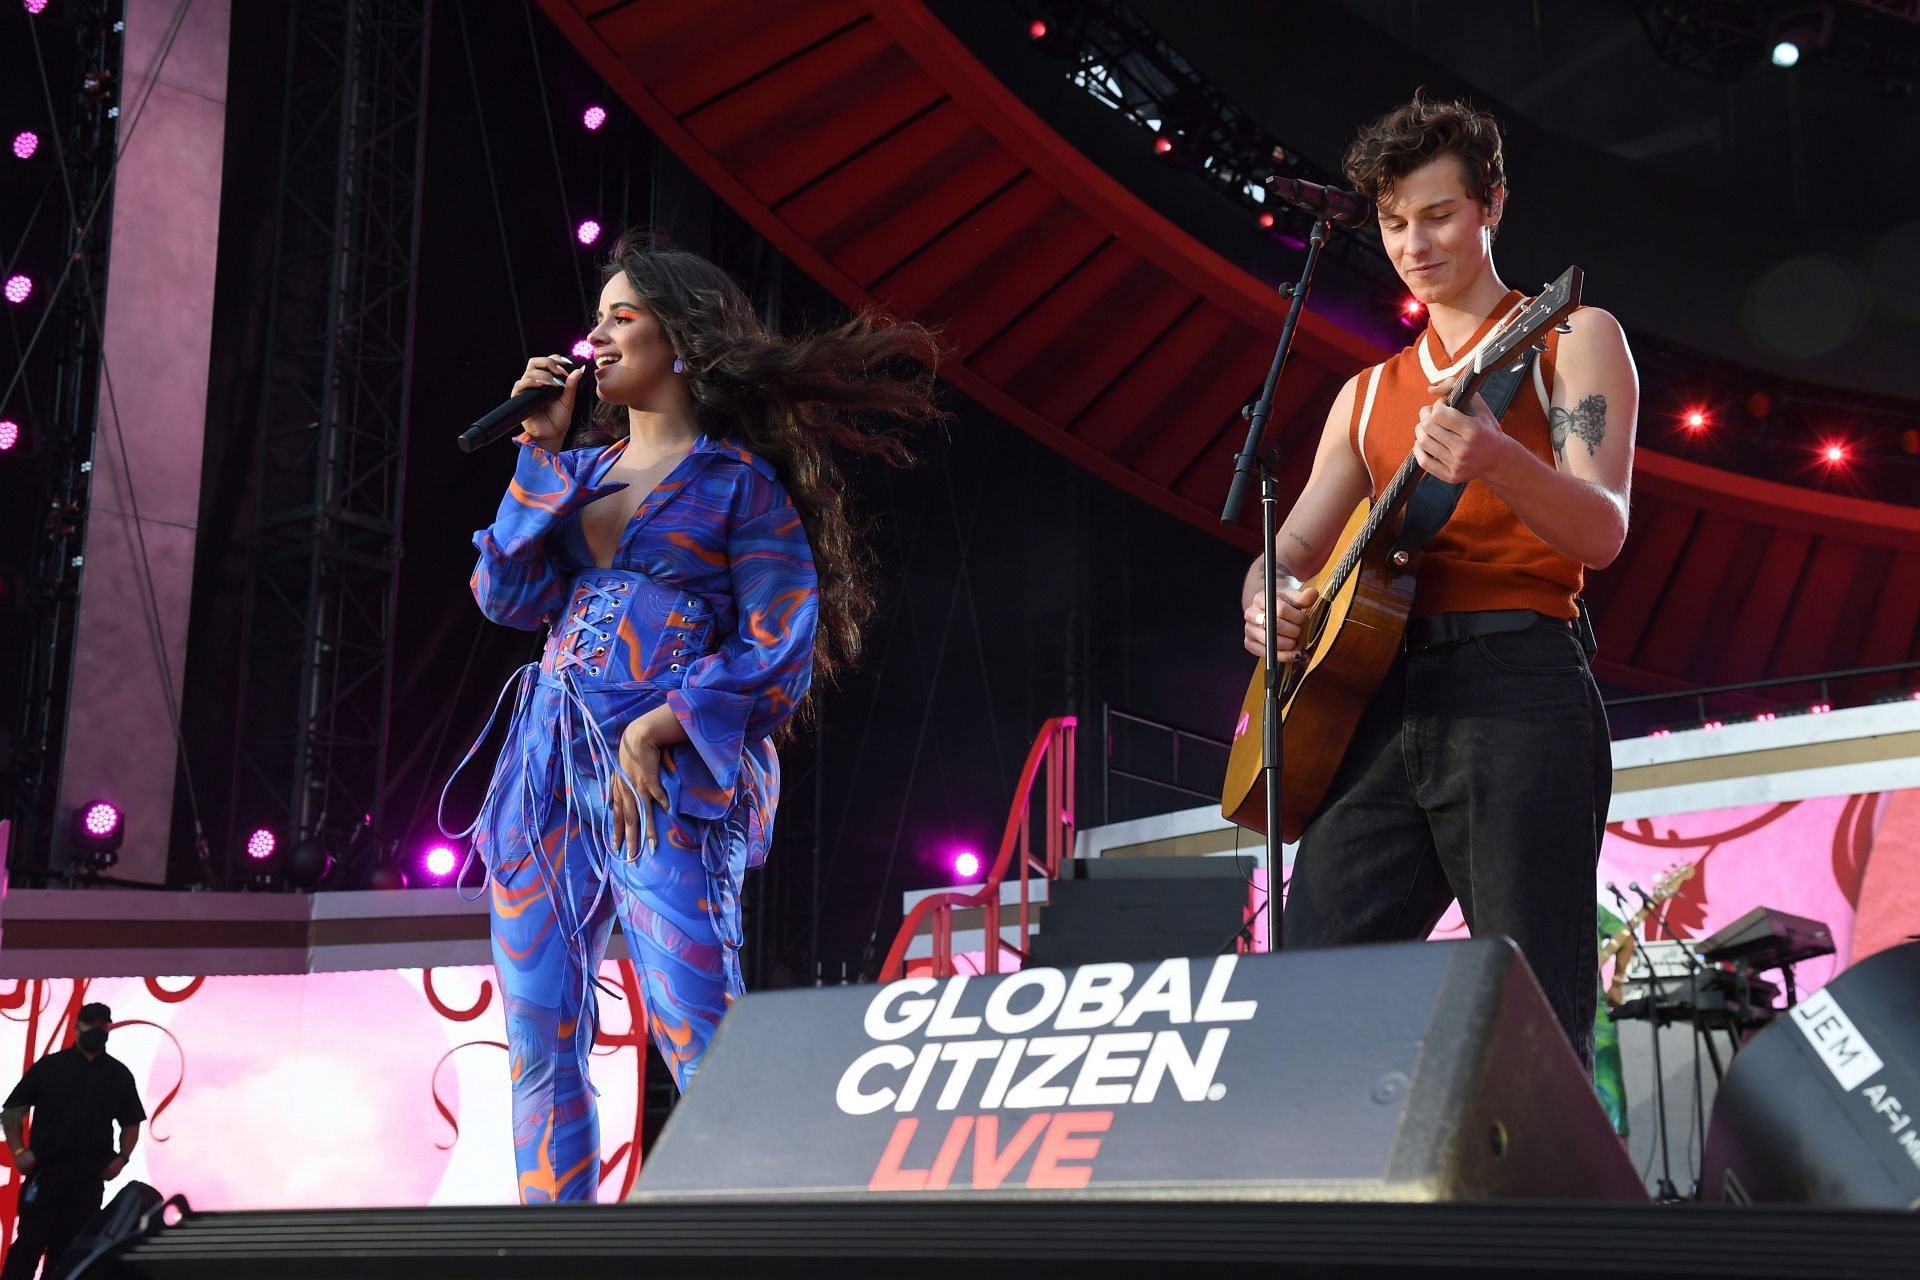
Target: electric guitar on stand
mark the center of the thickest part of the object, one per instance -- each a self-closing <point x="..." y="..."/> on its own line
<point x="1353" y="631"/>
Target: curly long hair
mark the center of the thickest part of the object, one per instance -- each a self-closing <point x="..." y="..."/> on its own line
<point x="790" y="401"/>
<point x="1412" y="134"/>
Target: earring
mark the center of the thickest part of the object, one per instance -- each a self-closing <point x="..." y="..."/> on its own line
<point x="679" y="365"/>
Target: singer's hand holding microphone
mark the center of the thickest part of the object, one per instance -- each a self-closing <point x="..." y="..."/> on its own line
<point x="547" y="424"/>
<point x="541" y="405"/>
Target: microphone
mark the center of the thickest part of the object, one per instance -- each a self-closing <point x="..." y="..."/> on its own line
<point x="1619" y="898"/>
<point x="505" y="418"/>
<point x="1643" y="894"/>
<point x="1340" y="206"/>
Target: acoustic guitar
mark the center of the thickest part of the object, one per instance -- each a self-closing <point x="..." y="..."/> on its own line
<point x="1353" y="631"/>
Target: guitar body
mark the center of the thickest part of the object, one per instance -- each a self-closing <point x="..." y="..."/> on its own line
<point x="1353" y="637"/>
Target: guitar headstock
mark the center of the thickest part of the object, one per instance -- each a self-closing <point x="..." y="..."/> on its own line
<point x="1555" y="303"/>
<point x="1669" y="884"/>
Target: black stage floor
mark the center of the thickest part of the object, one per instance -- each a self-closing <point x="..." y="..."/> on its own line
<point x="999" y="1238"/>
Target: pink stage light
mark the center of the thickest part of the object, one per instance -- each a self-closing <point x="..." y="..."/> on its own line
<point x="588" y="231"/>
<point x="101" y="819"/>
<point x="1163" y="146"/>
<point x="966" y="864"/>
<point x="9" y="434"/>
<point x="25" y="143"/>
<point x="582" y="350"/>
<point x="594" y="118"/>
<point x="1037" y="29"/>
<point x="1266" y="221"/>
<point x="439" y="861"/>
<point x="18" y="287"/>
<point x="260" y="845"/>
<point x="1835" y="454"/>
<point x="33" y="6"/>
<point x="1695" y="420"/>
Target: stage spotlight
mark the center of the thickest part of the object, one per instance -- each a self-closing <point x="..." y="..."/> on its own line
<point x="588" y="231"/>
<point x="25" y="143"/>
<point x="261" y="844"/>
<point x="582" y="350"/>
<point x="1695" y="420"/>
<point x="1413" y="313"/>
<point x="440" y="862"/>
<point x="1834" y="453"/>
<point x="33" y="6"/>
<point x="98" y="829"/>
<point x="1163" y="146"/>
<point x="1054" y="31"/>
<point x="18" y="288"/>
<point x="9" y="434"/>
<point x="966" y="864"/>
<point x="594" y="117"/>
<point x="384" y="875"/>
<point x="1266" y="221"/>
<point x="307" y="864"/>
<point x="1786" y="54"/>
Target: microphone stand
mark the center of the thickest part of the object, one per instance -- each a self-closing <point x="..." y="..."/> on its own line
<point x="1254" y="461"/>
<point x="1665" y="1192"/>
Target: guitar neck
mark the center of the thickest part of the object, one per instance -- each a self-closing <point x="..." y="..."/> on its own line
<point x="1395" y="494"/>
<point x="1625" y="934"/>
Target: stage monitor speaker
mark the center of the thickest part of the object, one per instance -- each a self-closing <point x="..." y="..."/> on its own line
<point x="1408" y="1072"/>
<point x="1823" y="1107"/>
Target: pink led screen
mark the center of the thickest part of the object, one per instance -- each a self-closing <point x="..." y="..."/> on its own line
<point x="384" y="1087"/>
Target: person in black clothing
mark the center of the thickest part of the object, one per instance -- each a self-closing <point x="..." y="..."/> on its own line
<point x="76" y="1095"/>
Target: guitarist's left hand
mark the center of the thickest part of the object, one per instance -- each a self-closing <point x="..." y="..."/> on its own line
<point x="1457" y="446"/>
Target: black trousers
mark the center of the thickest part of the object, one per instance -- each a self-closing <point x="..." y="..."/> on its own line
<point x="60" y="1209"/>
<point x="1480" y="771"/>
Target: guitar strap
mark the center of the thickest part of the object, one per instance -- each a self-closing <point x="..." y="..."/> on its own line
<point x="1432" y="501"/>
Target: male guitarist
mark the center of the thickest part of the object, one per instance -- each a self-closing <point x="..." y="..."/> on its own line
<point x="1480" y="769"/>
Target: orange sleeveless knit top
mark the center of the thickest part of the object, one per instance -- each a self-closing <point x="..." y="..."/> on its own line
<point x="1484" y="557"/>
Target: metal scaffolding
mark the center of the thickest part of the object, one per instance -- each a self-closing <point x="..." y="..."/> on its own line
<point x="60" y="379"/>
<point x="323" y="560"/>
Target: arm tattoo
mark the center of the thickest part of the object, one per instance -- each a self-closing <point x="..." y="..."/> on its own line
<point x="1257" y="571"/>
<point x="1588" y="420"/>
<point x="1304" y="544"/>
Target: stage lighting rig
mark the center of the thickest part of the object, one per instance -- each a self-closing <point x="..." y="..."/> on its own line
<point x="96" y="832"/>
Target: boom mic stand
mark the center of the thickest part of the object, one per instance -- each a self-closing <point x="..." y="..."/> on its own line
<point x="1254" y="461"/>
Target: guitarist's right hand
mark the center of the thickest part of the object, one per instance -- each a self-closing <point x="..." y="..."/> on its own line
<point x="1290" y="620"/>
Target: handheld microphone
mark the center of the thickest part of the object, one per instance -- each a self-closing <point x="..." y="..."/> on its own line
<point x="505" y="418"/>
<point x="1340" y="206"/>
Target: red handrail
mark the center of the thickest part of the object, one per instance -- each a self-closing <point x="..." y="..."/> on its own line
<point x="1053" y="748"/>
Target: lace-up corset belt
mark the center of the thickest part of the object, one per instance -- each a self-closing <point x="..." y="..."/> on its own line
<point x="625" y="630"/>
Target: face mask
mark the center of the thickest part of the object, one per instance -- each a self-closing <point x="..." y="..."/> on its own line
<point x="92" y="1040"/>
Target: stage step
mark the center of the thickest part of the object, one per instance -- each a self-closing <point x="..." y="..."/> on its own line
<point x="1141" y="909"/>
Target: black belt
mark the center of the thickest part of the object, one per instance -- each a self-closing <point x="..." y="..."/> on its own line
<point x="1452" y="628"/>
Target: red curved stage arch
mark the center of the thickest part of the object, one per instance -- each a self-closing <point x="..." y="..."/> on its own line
<point x="867" y="144"/>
